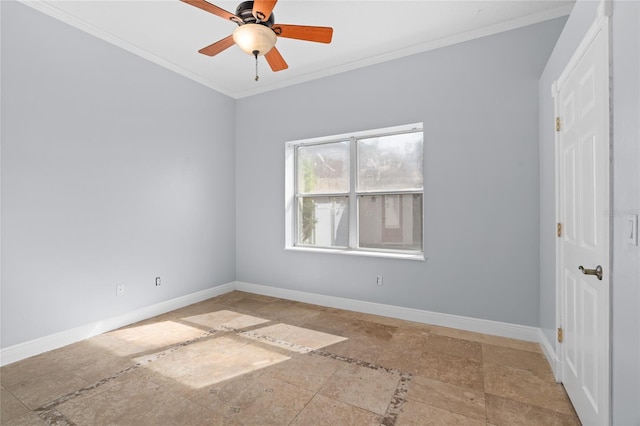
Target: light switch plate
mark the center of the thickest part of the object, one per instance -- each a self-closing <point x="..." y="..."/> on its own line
<point x="632" y="230"/>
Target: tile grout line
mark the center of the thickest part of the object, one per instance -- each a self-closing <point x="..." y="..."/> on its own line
<point x="397" y="400"/>
<point x="49" y="413"/>
<point x="399" y="396"/>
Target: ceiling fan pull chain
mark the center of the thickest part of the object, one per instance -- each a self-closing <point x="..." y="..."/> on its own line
<point x="255" y="53"/>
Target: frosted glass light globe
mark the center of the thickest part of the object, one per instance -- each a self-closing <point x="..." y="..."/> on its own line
<point x="255" y="37"/>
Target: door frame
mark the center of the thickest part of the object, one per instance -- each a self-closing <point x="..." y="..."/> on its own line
<point x="600" y="25"/>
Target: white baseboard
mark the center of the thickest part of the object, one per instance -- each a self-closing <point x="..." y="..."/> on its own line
<point x="37" y="346"/>
<point x="53" y="341"/>
<point x="552" y="357"/>
<point x="496" y="328"/>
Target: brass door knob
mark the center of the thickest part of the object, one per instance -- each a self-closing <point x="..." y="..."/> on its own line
<point x="597" y="272"/>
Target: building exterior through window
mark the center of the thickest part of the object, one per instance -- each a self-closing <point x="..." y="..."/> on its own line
<point x="358" y="192"/>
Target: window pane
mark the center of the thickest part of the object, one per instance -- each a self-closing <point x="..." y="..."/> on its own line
<point x="390" y="163"/>
<point x="390" y="221"/>
<point x="323" y="168"/>
<point x="323" y="221"/>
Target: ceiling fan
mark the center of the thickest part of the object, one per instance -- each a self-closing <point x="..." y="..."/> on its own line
<point x="257" y="31"/>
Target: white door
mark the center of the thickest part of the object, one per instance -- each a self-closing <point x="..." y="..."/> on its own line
<point x="583" y="181"/>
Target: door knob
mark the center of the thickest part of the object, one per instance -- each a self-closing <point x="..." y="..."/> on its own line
<point x="597" y="272"/>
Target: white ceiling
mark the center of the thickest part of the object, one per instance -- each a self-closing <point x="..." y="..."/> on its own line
<point x="170" y="32"/>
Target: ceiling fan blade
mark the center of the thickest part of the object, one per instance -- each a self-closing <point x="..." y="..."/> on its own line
<point x="208" y="7"/>
<point x="262" y="9"/>
<point x="218" y="46"/>
<point x="275" y="60"/>
<point x="304" y="32"/>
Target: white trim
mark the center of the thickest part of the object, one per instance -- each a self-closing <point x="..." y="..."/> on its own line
<point x="600" y="24"/>
<point x="49" y="9"/>
<point x="495" y="328"/>
<point x="546" y="15"/>
<point x="359" y="252"/>
<point x="403" y="128"/>
<point x="53" y="341"/>
<point x="551" y="355"/>
<point x="557" y="347"/>
<point x="37" y="346"/>
<point x="290" y="191"/>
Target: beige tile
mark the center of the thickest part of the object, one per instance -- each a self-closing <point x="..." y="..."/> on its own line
<point x="228" y="397"/>
<point x="20" y="371"/>
<point x="376" y="330"/>
<point x="248" y="304"/>
<point x="230" y="297"/>
<point x="486" y="338"/>
<point x="36" y="391"/>
<point x="390" y="321"/>
<point x="348" y="326"/>
<point x="417" y="413"/>
<point x="136" y="340"/>
<point x="306" y="371"/>
<point x="502" y="411"/>
<point x="242" y="378"/>
<point x="359" y="348"/>
<point x="366" y="388"/>
<point x="28" y="419"/>
<point x="465" y="401"/>
<point x="453" y="346"/>
<point x="253" y="399"/>
<point x="407" y="360"/>
<point x="258" y="297"/>
<point x="456" y="370"/>
<point x="87" y="360"/>
<point x="342" y="312"/>
<point x="298" y="339"/>
<point x="224" y="319"/>
<point x="294" y="313"/>
<point x="206" y="306"/>
<point x="526" y="386"/>
<point x="10" y="407"/>
<point x="524" y="360"/>
<point x="278" y="404"/>
<point x="213" y="360"/>
<point x="409" y="332"/>
<point x="133" y="400"/>
<point x="324" y="411"/>
<point x="403" y="351"/>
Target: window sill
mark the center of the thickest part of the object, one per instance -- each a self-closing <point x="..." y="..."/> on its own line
<point x="364" y="253"/>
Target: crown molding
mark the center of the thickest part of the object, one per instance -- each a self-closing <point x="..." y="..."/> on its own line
<point x="49" y="9"/>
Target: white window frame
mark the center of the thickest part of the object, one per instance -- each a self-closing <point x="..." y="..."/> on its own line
<point x="291" y="202"/>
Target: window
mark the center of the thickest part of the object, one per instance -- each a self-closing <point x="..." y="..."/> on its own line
<point x="358" y="193"/>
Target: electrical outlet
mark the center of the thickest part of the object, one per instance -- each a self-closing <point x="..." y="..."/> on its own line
<point x="379" y="280"/>
<point x="158" y="282"/>
<point x="120" y="290"/>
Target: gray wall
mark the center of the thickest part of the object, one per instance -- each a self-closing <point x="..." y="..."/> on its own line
<point x="625" y="283"/>
<point x="478" y="101"/>
<point x="626" y="198"/>
<point x="114" y="170"/>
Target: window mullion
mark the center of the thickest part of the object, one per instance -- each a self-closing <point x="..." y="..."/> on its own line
<point x="353" y="201"/>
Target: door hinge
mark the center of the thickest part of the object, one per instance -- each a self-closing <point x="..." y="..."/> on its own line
<point x="559" y="230"/>
<point x="557" y="124"/>
<point x="559" y="334"/>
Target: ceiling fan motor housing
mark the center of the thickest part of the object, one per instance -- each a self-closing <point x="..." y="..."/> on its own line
<point x="245" y="12"/>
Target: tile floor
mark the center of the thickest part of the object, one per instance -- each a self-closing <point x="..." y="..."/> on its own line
<point x="247" y="359"/>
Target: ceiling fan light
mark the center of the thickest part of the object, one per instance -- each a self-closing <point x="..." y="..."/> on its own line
<point x="254" y="37"/>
